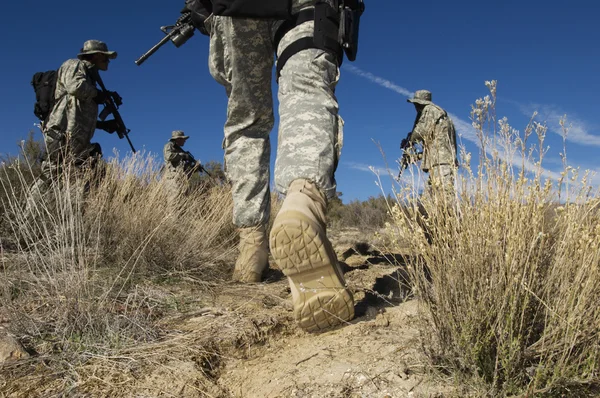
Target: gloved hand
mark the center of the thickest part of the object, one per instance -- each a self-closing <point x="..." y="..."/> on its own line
<point x="187" y="157"/>
<point x="198" y="13"/>
<point x="101" y="97"/>
<point x="405" y="141"/>
<point x="110" y="126"/>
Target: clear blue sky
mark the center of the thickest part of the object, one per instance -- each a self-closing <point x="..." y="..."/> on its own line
<point x="544" y="55"/>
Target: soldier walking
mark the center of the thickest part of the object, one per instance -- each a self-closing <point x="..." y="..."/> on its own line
<point x="179" y="164"/>
<point x="244" y="36"/>
<point x="435" y="132"/>
<point x="73" y="120"/>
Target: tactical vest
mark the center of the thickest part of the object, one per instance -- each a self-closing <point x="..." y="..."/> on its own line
<point x="272" y="9"/>
<point x="336" y="30"/>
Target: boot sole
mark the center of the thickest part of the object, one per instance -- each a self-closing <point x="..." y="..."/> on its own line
<point x="321" y="299"/>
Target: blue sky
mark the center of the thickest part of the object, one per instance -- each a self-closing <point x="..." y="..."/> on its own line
<point x="543" y="54"/>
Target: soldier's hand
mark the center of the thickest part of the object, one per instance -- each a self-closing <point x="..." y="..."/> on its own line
<point x="198" y="14"/>
<point x="101" y="97"/>
<point x="110" y="126"/>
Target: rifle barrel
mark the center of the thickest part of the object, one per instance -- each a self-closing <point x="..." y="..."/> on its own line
<point x="130" y="143"/>
<point x="155" y="48"/>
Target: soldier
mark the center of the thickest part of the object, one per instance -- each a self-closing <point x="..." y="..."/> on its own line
<point x="71" y="124"/>
<point x="309" y="146"/>
<point x="434" y="131"/>
<point x="179" y="164"/>
<point x="176" y="159"/>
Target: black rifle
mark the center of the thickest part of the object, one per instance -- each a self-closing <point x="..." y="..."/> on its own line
<point x="197" y="166"/>
<point x="405" y="143"/>
<point x="111" y="106"/>
<point x="178" y="34"/>
<point x="409" y="154"/>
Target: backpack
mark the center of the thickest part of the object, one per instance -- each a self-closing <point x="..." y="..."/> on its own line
<point x="44" y="84"/>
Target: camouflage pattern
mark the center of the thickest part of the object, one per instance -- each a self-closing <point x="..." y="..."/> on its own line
<point x="96" y="46"/>
<point x="176" y="157"/>
<point x="310" y="129"/>
<point x="73" y="118"/>
<point x="435" y="130"/>
<point x="309" y="139"/>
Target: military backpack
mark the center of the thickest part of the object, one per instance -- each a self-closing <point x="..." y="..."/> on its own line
<point x="44" y="84"/>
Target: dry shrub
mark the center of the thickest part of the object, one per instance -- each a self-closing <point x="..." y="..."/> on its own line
<point x="18" y="172"/>
<point x="88" y="244"/>
<point x="369" y="215"/>
<point x="509" y="268"/>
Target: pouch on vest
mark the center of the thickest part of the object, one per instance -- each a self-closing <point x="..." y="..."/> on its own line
<point x="349" y="24"/>
<point x="268" y="9"/>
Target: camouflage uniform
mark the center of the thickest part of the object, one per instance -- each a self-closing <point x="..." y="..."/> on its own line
<point x="72" y="121"/>
<point x="310" y="130"/>
<point x="178" y="163"/>
<point x="176" y="158"/>
<point x="434" y="130"/>
<point x="75" y="112"/>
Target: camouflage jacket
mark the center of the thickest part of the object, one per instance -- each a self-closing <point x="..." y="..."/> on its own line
<point x="435" y="130"/>
<point x="176" y="158"/>
<point x="75" y="110"/>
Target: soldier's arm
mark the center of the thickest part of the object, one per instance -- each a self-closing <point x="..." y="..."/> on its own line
<point x="172" y="156"/>
<point x="424" y="126"/>
<point x="76" y="81"/>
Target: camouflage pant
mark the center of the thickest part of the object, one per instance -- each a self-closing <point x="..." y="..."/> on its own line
<point x="440" y="189"/>
<point x="175" y="182"/>
<point x="309" y="139"/>
<point x="70" y="148"/>
<point x="441" y="177"/>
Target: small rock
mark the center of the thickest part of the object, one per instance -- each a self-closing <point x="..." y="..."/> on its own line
<point x="382" y="320"/>
<point x="10" y="348"/>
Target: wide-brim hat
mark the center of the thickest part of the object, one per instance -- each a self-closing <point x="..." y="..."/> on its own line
<point x="422" y="97"/>
<point x="94" y="47"/>
<point x="178" y="134"/>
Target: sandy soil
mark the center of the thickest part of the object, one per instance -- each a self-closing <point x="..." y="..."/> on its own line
<point x="241" y="341"/>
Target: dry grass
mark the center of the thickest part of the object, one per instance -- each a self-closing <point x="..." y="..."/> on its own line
<point x="88" y="247"/>
<point x="511" y="278"/>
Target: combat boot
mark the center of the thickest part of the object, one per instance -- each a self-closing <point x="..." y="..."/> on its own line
<point x="300" y="247"/>
<point x="253" y="257"/>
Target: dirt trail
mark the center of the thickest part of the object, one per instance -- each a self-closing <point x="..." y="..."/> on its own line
<point x="378" y="354"/>
<point x="240" y="340"/>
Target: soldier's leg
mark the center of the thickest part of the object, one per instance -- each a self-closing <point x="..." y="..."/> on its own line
<point x="440" y="185"/>
<point x="51" y="166"/>
<point x="81" y="149"/>
<point x="438" y="198"/>
<point x="309" y="143"/>
<point x="241" y="59"/>
<point x="53" y="159"/>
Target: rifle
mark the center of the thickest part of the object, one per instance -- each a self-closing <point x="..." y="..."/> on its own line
<point x="405" y="143"/>
<point x="409" y="154"/>
<point x="111" y="106"/>
<point x="178" y="34"/>
<point x="197" y="166"/>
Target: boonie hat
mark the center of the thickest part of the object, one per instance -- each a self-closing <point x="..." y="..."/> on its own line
<point x="178" y="134"/>
<point x="422" y="97"/>
<point x="96" y="46"/>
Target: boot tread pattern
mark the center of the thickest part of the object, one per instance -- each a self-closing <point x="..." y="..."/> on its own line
<point x="303" y="255"/>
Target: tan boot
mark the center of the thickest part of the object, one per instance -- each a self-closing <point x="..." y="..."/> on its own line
<point x="253" y="258"/>
<point x="300" y="247"/>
